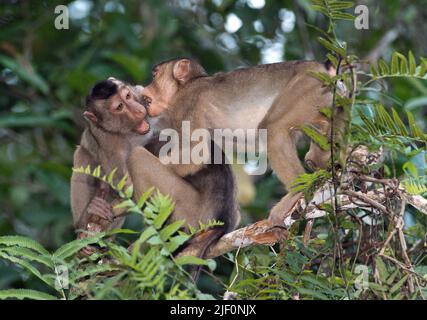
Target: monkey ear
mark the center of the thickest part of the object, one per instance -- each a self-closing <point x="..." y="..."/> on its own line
<point x="90" y="116"/>
<point x="181" y="70"/>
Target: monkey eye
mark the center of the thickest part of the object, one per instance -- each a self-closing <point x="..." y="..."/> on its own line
<point x="119" y="107"/>
<point x="128" y="96"/>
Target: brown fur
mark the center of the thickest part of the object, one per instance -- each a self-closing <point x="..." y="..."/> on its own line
<point x="209" y="194"/>
<point x="278" y="97"/>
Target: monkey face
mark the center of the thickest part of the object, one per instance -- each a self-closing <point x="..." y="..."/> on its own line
<point x="158" y="94"/>
<point x="115" y="106"/>
<point x="168" y="78"/>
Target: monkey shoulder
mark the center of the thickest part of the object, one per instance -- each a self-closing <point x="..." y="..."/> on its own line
<point x="82" y="156"/>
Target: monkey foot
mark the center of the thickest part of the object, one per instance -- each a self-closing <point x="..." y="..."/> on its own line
<point x="281" y="214"/>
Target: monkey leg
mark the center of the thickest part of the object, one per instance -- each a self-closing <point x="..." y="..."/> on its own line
<point x="284" y="160"/>
<point x="296" y="106"/>
<point x="284" y="208"/>
<point x="83" y="188"/>
<point x="282" y="153"/>
<point x="147" y="171"/>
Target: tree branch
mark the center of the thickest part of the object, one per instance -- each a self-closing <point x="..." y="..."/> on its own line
<point x="264" y="233"/>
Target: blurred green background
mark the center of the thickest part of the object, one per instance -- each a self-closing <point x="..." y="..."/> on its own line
<point x="45" y="74"/>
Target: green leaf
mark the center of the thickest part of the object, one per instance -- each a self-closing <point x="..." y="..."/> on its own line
<point x="177" y="241"/>
<point x="28" y="266"/>
<point x="129" y="191"/>
<point x="341" y="5"/>
<point x="326" y="111"/>
<point x="342" y="16"/>
<point x="147" y="234"/>
<point x="332" y="47"/>
<point x="25" y="242"/>
<point x="185" y="260"/>
<point x="394" y="63"/>
<point x="25" y="294"/>
<point x="383" y="67"/>
<point x="382" y="269"/>
<point x="412" y="63"/>
<point x="29" y="255"/>
<point x="399" y="123"/>
<point x="403" y="63"/>
<point x="423" y="68"/>
<point x="144" y="197"/>
<point x="165" y="210"/>
<point x="398" y="285"/>
<point x="332" y="59"/>
<point x="171" y="229"/>
<point x="125" y="204"/>
<point x="111" y="176"/>
<point x="312" y="293"/>
<point x="374" y="71"/>
<point x="75" y="246"/>
<point x="122" y="182"/>
<point x="317" y="137"/>
<point x="97" y="172"/>
<point x="94" y="270"/>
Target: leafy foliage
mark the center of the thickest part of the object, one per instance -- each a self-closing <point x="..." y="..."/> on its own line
<point x="41" y="89"/>
<point x="399" y="67"/>
<point x="145" y="270"/>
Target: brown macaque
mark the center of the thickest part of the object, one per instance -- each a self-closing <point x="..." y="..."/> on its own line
<point x="117" y="138"/>
<point x="116" y="122"/>
<point x="279" y="97"/>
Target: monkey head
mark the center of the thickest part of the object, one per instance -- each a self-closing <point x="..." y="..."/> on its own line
<point x="115" y="107"/>
<point x="167" y="79"/>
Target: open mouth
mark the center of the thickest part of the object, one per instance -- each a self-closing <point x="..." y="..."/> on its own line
<point x="144" y="127"/>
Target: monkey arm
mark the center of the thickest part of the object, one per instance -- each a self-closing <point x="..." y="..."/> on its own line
<point x="183" y="170"/>
<point x="146" y="171"/>
<point x="83" y="188"/>
<point x="88" y="202"/>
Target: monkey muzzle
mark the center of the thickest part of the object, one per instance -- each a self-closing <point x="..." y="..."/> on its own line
<point x="146" y="101"/>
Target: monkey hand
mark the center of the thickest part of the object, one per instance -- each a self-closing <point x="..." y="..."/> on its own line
<point x="100" y="217"/>
<point x="100" y="212"/>
<point x="88" y="250"/>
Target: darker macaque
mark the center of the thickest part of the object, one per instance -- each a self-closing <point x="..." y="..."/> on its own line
<point x="117" y="136"/>
<point x="279" y="97"/>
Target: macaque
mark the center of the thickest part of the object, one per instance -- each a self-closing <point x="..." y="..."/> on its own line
<point x="115" y="137"/>
<point x="279" y="97"/>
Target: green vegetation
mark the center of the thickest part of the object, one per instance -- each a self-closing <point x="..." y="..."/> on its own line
<point x="353" y="253"/>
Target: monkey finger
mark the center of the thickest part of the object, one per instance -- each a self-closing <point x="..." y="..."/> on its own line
<point x="87" y="251"/>
<point x="98" y="204"/>
<point x="99" y="207"/>
<point x="105" y="214"/>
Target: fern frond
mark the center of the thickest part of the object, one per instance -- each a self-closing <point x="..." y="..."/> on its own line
<point x="71" y="248"/>
<point x="24" y="242"/>
<point x="321" y="140"/>
<point x="415" y="185"/>
<point x="383" y="126"/>
<point x="400" y="66"/>
<point x="28" y="266"/>
<point x="25" y="294"/>
<point x="310" y="182"/>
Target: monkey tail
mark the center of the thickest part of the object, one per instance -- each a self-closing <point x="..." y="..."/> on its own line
<point x="209" y="240"/>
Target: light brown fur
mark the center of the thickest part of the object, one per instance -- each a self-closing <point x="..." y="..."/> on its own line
<point x="113" y="139"/>
<point x="278" y="97"/>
